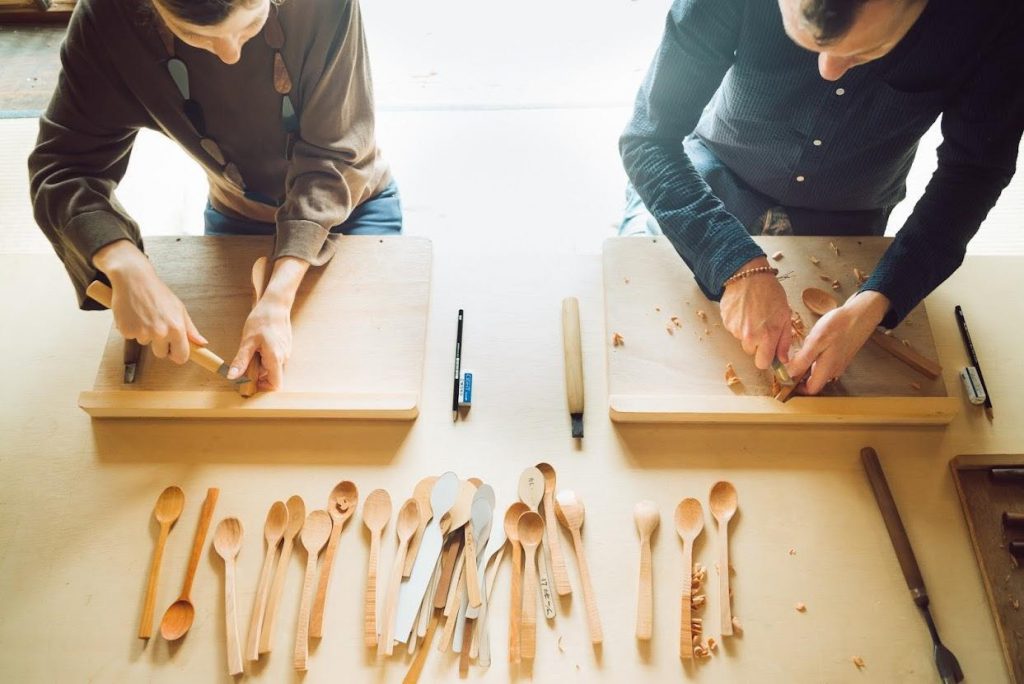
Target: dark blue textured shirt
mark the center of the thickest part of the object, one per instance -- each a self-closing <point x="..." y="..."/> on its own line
<point x="839" y="146"/>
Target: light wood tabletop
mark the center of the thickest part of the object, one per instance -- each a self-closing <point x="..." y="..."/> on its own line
<point x="77" y="532"/>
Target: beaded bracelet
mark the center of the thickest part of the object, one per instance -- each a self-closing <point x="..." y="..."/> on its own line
<point x="749" y="272"/>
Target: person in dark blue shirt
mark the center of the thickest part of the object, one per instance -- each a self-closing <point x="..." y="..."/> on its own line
<point x="803" y="117"/>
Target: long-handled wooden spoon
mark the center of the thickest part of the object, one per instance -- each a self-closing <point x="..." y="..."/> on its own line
<point x="422" y="495"/>
<point x="647" y="518"/>
<point x="821" y="302"/>
<point x="723" y="504"/>
<point x="515" y="612"/>
<point x="315" y="532"/>
<point x="296" y="519"/>
<point x="406" y="525"/>
<point x="227" y="541"/>
<point x="569" y="511"/>
<point x="689" y="523"/>
<point x="554" y="547"/>
<point x="341" y="504"/>
<point x="496" y="544"/>
<point x="376" y="516"/>
<point x="273" y="532"/>
<point x="530" y="529"/>
<point x="167" y="510"/>
<point x="178" y="618"/>
<point x="531" y="492"/>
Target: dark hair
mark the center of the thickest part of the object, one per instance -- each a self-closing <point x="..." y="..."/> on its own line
<point x="203" y="12"/>
<point x="827" y="19"/>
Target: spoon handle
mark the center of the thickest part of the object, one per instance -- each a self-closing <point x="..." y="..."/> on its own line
<point x="301" y="654"/>
<point x="259" y="608"/>
<point x="146" y="625"/>
<point x="516" y="604"/>
<point x="528" y="633"/>
<point x="645" y="593"/>
<point x="472" y="578"/>
<point x="386" y="645"/>
<point x="686" y="612"/>
<point x="370" y="606"/>
<point x="562" y="585"/>
<point x="231" y="619"/>
<point x="593" y="619"/>
<point x="725" y="597"/>
<point x="316" y="625"/>
<point x="197" y="547"/>
<point x="276" y="587"/>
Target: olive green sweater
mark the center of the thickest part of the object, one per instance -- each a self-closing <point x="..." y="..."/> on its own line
<point x="114" y="81"/>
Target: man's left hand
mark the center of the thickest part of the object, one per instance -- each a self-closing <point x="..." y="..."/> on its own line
<point x="836" y="338"/>
<point x="267" y="332"/>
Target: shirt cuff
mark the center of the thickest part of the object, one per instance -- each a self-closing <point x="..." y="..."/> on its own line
<point x="306" y="240"/>
<point x="723" y="261"/>
<point x="85" y="235"/>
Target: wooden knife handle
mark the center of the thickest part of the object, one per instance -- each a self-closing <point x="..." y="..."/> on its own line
<point x="919" y="362"/>
<point x="573" y="351"/>
<point x="1007" y="474"/>
<point x="201" y="356"/>
<point x="893" y="522"/>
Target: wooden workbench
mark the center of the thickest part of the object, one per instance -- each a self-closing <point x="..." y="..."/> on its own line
<point x="76" y="532"/>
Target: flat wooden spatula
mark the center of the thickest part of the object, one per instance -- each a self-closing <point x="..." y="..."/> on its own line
<point x="200" y="356"/>
<point x="945" y="661"/>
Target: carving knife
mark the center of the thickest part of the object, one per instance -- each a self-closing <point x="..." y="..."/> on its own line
<point x="200" y="356"/>
<point x="132" y="354"/>
<point x="572" y="349"/>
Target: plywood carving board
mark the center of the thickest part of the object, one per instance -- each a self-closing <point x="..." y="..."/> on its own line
<point x="984" y="501"/>
<point x="664" y="372"/>
<point x="359" y="328"/>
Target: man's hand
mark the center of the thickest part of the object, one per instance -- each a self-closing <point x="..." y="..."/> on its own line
<point x="268" y="329"/>
<point x="836" y="338"/>
<point x="144" y="307"/>
<point x="755" y="310"/>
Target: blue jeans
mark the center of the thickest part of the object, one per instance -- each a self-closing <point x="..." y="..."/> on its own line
<point x="379" y="215"/>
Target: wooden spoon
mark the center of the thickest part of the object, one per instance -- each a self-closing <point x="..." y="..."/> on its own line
<point x="530" y="529"/>
<point x="531" y="492"/>
<point x="167" y="510"/>
<point x="341" y="504"/>
<point x="562" y="585"/>
<point x="723" y="506"/>
<point x="259" y="278"/>
<point x="296" y="519"/>
<point x="689" y="523"/>
<point x="273" y="532"/>
<point x="511" y="525"/>
<point x="821" y="302"/>
<point x="178" y="618"/>
<point x="376" y="516"/>
<point x="422" y="495"/>
<point x="315" y="533"/>
<point x="227" y="541"/>
<point x="406" y="526"/>
<point x="569" y="511"/>
<point x="647" y="518"/>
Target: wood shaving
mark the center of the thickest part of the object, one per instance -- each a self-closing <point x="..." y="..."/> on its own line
<point x="731" y="379"/>
<point x="792" y="552"/>
<point x="826" y="278"/>
<point x="1015" y="604"/>
<point x="860" y="276"/>
<point x="915" y="385"/>
<point x="777" y="256"/>
<point x="670" y="329"/>
<point x="676" y="321"/>
<point x="836" y="285"/>
<point x="712" y="644"/>
<point x="906" y="343"/>
<point x="776" y="386"/>
<point x="701" y="315"/>
<point x="799" y="327"/>
<point x="706" y="331"/>
<point x="736" y="624"/>
<point x="858" y="661"/>
<point x="697" y="602"/>
<point x="626" y="280"/>
<point x="617" y="340"/>
<point x="815" y="260"/>
<point x="801" y="607"/>
<point x="561" y="644"/>
<point x="834" y="248"/>
<point x="658" y="309"/>
<point x="888" y="331"/>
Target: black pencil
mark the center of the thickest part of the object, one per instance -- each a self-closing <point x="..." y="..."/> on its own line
<point x="458" y="364"/>
<point x="961" y="323"/>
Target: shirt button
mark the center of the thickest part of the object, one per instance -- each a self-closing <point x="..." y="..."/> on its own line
<point x="840" y="91"/>
<point x="799" y="179"/>
<point x="817" y="143"/>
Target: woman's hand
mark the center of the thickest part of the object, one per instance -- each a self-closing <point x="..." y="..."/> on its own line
<point x="836" y="338"/>
<point x="268" y="329"/>
<point x="144" y="307"/>
<point x="755" y="310"/>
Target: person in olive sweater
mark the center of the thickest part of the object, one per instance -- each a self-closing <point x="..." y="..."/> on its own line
<point x="273" y="100"/>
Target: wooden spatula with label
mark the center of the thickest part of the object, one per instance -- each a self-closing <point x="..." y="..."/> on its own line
<point x="201" y="356"/>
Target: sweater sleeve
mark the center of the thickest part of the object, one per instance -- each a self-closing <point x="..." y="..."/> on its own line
<point x="981" y="134"/>
<point x="697" y="49"/>
<point x="85" y="140"/>
<point x="331" y="171"/>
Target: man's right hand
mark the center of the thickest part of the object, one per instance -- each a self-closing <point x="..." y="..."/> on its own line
<point x="755" y="310"/>
<point x="144" y="307"/>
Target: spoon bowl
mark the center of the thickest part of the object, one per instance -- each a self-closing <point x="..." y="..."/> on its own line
<point x="530" y="529"/>
<point x="169" y="505"/>
<point x="723" y="501"/>
<point x="647" y="518"/>
<point x="316" y="531"/>
<point x="408" y="520"/>
<point x="276" y="523"/>
<point x="377" y="510"/>
<point x="177" y="620"/>
<point x="342" y="500"/>
<point x="689" y="519"/>
<point x="511" y="521"/>
<point x="569" y="510"/>
<point x="227" y="538"/>
<point x="818" y="301"/>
